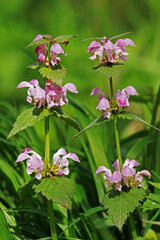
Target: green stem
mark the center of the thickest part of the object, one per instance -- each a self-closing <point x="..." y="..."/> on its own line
<point x="50" y="202"/>
<point x="132" y="228"/>
<point x="111" y="89"/>
<point x="47" y="143"/>
<point x="118" y="143"/>
<point x="51" y="220"/>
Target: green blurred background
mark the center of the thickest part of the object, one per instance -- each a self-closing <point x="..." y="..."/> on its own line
<point x="21" y="21"/>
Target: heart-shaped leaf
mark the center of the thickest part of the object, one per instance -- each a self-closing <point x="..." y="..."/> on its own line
<point x="59" y="189"/>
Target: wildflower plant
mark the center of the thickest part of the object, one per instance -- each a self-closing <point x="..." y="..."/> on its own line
<point x="123" y="182"/>
<point x="46" y="103"/>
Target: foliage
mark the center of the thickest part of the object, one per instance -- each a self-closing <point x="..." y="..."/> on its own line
<point x="120" y="205"/>
<point x="59" y="189"/>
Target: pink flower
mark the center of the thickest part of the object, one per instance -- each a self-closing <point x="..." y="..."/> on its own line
<point x="34" y="162"/>
<point x="56" y="95"/>
<point x="54" y="51"/>
<point x="122" y="97"/>
<point x="53" y="94"/>
<point x="35" y="92"/>
<point x="110" y="178"/>
<point x="103" y="104"/>
<point x="96" y="49"/>
<point x="127" y="177"/>
<point x="109" y="52"/>
<point x="42" y="51"/>
<point x="60" y="161"/>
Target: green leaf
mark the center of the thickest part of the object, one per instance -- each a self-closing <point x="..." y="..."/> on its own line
<point x="120" y="204"/>
<point x="38" y="42"/>
<point x="131" y="116"/>
<point x="27" y="119"/>
<point x="152" y="202"/>
<point x="56" y="73"/>
<point x="156" y="185"/>
<point x="107" y="71"/>
<point x="26" y="189"/>
<point x="33" y="66"/>
<point x="63" y="38"/>
<point x="59" y="189"/>
<point x="98" y="121"/>
<point x="4" y="229"/>
<point x="58" y="113"/>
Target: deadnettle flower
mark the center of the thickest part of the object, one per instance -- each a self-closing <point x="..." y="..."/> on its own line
<point x="35" y="92"/>
<point x="109" y="52"/>
<point x="54" y="51"/>
<point x="60" y="162"/>
<point x="103" y="102"/>
<point x="111" y="179"/>
<point x="56" y="95"/>
<point x="53" y="94"/>
<point x="122" y="97"/>
<point x="42" y="51"/>
<point x="127" y="177"/>
<point x="34" y="162"/>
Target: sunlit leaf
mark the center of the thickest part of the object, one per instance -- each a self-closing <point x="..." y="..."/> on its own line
<point x="63" y="38"/>
<point x="107" y="71"/>
<point x="152" y="202"/>
<point x="33" y="66"/>
<point x="59" y="189"/>
<point x="38" y="42"/>
<point x="27" y="119"/>
<point x="56" y="73"/>
<point x="58" y="113"/>
<point x="120" y="204"/>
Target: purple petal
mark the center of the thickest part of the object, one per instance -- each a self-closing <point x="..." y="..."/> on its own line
<point x="56" y="49"/>
<point x="38" y="176"/>
<point x="144" y="172"/>
<point x="34" y="82"/>
<point x="66" y="171"/>
<point x="116" y="165"/>
<point x="71" y="87"/>
<point x="101" y="169"/>
<point x="64" y="162"/>
<point x="39" y="36"/>
<point x="128" y="41"/>
<point x="60" y="172"/>
<point x="94" y="44"/>
<point x="106" y="114"/>
<point x="107" y="175"/>
<point x="133" y="163"/>
<point x="23" y="84"/>
<point x="61" y="151"/>
<point x="103" y="104"/>
<point x="22" y="157"/>
<point x="116" y="177"/>
<point x="126" y="163"/>
<point x="73" y="156"/>
<point x="127" y="171"/>
<point x="118" y="186"/>
<point x="131" y="90"/>
<point x="108" y="45"/>
<point x="96" y="91"/>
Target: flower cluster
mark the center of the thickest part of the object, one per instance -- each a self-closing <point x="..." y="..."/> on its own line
<point x="121" y="99"/>
<point x="36" y="165"/>
<point x="42" y="51"/>
<point x="109" y="52"/>
<point x="127" y="177"/>
<point x="53" y="95"/>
